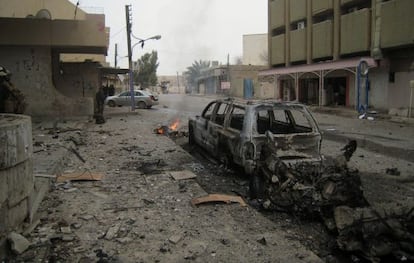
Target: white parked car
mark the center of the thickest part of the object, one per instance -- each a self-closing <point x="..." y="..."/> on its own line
<point x="142" y="99"/>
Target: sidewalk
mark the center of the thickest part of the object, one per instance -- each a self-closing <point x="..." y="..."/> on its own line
<point x="390" y="136"/>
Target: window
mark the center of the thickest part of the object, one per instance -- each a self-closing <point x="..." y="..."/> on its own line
<point x="237" y="118"/>
<point x="263" y="121"/>
<point x="124" y="94"/>
<point x="208" y="111"/>
<point x="221" y="114"/>
<point x="302" y="123"/>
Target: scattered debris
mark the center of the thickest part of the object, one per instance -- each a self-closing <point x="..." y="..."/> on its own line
<point x="218" y="198"/>
<point x="112" y="232"/>
<point x="86" y="217"/>
<point x="77" y="154"/>
<point x="182" y="175"/>
<point x="393" y="171"/>
<point x="175" y="239"/>
<point x="18" y="243"/>
<point x="262" y="241"/>
<point x="375" y="234"/>
<point x="84" y="176"/>
<point x="66" y="230"/>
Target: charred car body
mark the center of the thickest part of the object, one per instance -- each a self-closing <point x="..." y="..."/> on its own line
<point x="236" y="131"/>
<point x="279" y="146"/>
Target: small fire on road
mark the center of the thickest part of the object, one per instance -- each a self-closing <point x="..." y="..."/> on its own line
<point x="170" y="130"/>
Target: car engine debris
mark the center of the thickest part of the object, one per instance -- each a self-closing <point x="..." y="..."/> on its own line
<point x="332" y="191"/>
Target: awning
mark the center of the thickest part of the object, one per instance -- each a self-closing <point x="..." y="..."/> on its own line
<point x="113" y="71"/>
<point x="332" y="65"/>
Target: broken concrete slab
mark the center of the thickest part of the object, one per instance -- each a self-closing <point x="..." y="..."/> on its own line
<point x="112" y="232"/>
<point x="18" y="243"/>
<point x="182" y="175"/>
<point x="175" y="239"/>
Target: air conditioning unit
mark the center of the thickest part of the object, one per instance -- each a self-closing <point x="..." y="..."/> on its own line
<point x="301" y="25"/>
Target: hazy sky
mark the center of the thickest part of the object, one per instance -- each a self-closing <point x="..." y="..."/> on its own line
<point x="190" y="29"/>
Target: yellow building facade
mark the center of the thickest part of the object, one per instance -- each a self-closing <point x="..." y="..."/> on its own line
<point x="316" y="48"/>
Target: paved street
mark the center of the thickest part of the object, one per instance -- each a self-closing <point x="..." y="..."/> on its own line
<point x="138" y="213"/>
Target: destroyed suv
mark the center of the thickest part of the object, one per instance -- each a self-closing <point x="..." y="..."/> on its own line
<point x="236" y="132"/>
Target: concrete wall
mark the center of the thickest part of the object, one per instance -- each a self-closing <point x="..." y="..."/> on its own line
<point x="399" y="93"/>
<point x="59" y="9"/>
<point x="255" y="49"/>
<point x="379" y="86"/>
<point x="77" y="80"/>
<point x="16" y="172"/>
<point x="32" y="74"/>
<point x="397" y="23"/>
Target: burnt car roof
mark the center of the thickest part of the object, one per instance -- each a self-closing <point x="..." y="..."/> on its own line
<point x="269" y="102"/>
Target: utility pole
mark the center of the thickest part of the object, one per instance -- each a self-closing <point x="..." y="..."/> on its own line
<point x="128" y="15"/>
<point x="178" y="82"/>
<point x="116" y="55"/>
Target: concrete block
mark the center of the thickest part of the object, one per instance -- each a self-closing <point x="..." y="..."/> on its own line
<point x="17" y="214"/>
<point x="18" y="243"/>
<point x="15" y="139"/>
<point x="20" y="182"/>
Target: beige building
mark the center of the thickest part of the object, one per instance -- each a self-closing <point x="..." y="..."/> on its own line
<point x="232" y="80"/>
<point x="316" y="48"/>
<point x="54" y="51"/>
<point x="255" y="49"/>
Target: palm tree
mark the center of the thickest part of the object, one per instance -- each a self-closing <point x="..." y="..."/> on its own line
<point x="195" y="71"/>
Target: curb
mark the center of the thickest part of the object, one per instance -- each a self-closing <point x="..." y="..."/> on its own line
<point x="405" y="154"/>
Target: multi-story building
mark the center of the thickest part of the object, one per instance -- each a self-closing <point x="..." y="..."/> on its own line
<point x="255" y="50"/>
<point x="55" y="52"/>
<point x="342" y="52"/>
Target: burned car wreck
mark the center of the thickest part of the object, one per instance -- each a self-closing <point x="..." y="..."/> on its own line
<point x="278" y="145"/>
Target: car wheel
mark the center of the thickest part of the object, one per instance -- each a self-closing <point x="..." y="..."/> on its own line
<point x="256" y="186"/>
<point x="141" y="105"/>
<point x="111" y="103"/>
<point x="191" y="139"/>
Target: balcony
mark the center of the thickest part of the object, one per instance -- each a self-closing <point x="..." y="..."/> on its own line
<point x="321" y="6"/>
<point x="298" y="45"/>
<point x="278" y="50"/>
<point x="277" y="14"/>
<point x="397" y="22"/>
<point x="297" y="10"/>
<point x="322" y="39"/>
<point x="356" y="32"/>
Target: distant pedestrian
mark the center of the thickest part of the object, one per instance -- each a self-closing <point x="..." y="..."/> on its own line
<point x="100" y="102"/>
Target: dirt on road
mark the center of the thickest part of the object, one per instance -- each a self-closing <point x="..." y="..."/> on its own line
<point x="139" y="213"/>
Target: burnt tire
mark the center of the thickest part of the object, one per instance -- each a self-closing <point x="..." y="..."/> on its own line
<point x="256" y="187"/>
<point x="111" y="103"/>
<point x="141" y="105"/>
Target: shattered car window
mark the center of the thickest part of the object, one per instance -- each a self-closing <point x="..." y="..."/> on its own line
<point x="208" y="112"/>
<point x="237" y="118"/>
<point x="221" y="114"/>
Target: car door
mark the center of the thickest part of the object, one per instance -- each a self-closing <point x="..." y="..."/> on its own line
<point x="235" y="133"/>
<point x="201" y="124"/>
<point x="215" y="128"/>
<point x="124" y="98"/>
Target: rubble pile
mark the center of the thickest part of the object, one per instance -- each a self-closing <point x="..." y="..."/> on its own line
<point x="333" y="192"/>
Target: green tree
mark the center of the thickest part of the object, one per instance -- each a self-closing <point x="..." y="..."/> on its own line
<point x="145" y="73"/>
<point x="194" y="72"/>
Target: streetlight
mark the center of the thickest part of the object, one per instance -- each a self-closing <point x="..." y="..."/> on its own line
<point x="128" y="15"/>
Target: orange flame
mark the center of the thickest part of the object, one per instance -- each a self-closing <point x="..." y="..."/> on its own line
<point x="160" y="131"/>
<point x="174" y="125"/>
